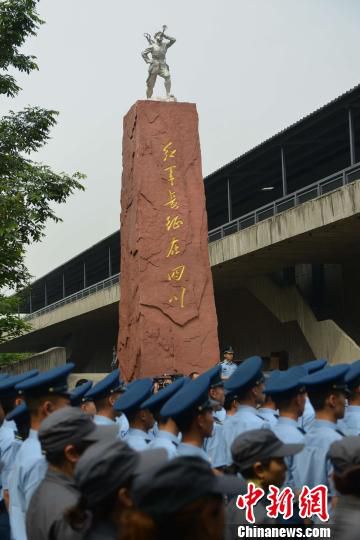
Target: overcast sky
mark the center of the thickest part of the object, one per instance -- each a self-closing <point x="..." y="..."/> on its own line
<point x="252" y="67"/>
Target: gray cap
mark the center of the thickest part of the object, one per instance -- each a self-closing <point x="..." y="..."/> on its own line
<point x="345" y="454"/>
<point x="105" y="467"/>
<point x="70" y="425"/>
<point x="260" y="445"/>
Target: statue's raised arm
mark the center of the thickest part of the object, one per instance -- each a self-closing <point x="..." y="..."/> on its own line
<point x="155" y="55"/>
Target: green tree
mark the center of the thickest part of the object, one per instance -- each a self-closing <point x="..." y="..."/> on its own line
<point x="28" y="190"/>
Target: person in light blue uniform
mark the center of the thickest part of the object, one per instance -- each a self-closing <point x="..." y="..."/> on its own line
<point x="308" y="415"/>
<point x="43" y="394"/>
<point x="289" y="398"/>
<point x="247" y="383"/>
<point x="213" y="445"/>
<point x="104" y="394"/>
<point x="228" y="366"/>
<point x="327" y="392"/>
<point x="8" y="401"/>
<point x="168" y="433"/>
<point x="192" y="411"/>
<point x="268" y="411"/>
<point x="141" y="420"/>
<point x="350" y="424"/>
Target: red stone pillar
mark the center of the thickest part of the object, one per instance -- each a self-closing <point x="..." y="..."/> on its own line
<point x="168" y="321"/>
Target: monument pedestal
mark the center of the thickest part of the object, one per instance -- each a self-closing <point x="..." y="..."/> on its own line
<point x="168" y="321"/>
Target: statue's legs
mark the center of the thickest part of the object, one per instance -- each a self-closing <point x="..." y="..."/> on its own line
<point x="168" y="85"/>
<point x="150" y="83"/>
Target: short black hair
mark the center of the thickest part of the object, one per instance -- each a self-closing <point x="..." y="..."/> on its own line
<point x="319" y="396"/>
<point x="8" y="404"/>
<point x="249" y="473"/>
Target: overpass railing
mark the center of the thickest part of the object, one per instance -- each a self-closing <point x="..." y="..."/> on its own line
<point x="105" y="284"/>
<point x="312" y="191"/>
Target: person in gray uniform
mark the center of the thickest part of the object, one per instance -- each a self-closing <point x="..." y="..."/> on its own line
<point x="258" y="455"/>
<point x="168" y="434"/>
<point x="63" y="436"/>
<point x="192" y="410"/>
<point x="345" y="459"/>
<point x="183" y="499"/>
<point x="43" y="394"/>
<point x="141" y="420"/>
<point x="104" y="475"/>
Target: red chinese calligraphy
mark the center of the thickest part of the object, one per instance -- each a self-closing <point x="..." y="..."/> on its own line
<point x="313" y="502"/>
<point x="249" y="500"/>
<point x="281" y="502"/>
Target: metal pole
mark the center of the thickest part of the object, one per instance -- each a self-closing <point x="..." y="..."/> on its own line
<point x="283" y="172"/>
<point x="84" y="275"/>
<point x="229" y="204"/>
<point x="351" y="137"/>
<point x="45" y="294"/>
<point x="110" y="269"/>
<point x="63" y="284"/>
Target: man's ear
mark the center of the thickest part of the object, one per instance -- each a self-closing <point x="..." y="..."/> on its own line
<point x="71" y="454"/>
<point x="47" y="408"/>
<point x="124" y="497"/>
<point x="331" y="401"/>
<point x="258" y="470"/>
<point x="112" y="400"/>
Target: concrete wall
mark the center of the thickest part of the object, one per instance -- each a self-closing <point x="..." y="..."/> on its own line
<point x="41" y="361"/>
<point x="325" y="338"/>
<point x="252" y="329"/>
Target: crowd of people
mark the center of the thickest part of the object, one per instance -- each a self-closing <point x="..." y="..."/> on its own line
<point x="192" y="457"/>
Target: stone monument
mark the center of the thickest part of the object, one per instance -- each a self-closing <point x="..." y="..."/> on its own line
<point x="168" y="320"/>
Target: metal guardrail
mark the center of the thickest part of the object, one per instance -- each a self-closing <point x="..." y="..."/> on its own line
<point x="326" y="185"/>
<point x="106" y="283"/>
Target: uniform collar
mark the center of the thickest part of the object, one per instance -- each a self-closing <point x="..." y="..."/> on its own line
<point x="287" y="421"/>
<point x="60" y="478"/>
<point x="104" y="420"/>
<point x="33" y="434"/>
<point x="168" y="436"/>
<point x="245" y="408"/>
<point x="9" y="424"/>
<point x="270" y="412"/>
<point x="353" y="408"/>
<point x="324" y="423"/>
<point x="139" y="433"/>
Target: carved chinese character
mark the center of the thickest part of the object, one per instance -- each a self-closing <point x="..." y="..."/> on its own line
<point x="173" y="223"/>
<point x="175" y="298"/>
<point x="172" y="202"/>
<point x="174" y="248"/>
<point x="176" y="273"/>
<point x="168" y="153"/>
<point x="170" y="171"/>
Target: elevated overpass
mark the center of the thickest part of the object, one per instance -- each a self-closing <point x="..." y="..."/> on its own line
<point x="284" y="220"/>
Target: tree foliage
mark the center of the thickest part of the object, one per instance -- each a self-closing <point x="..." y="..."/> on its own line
<point x="28" y="190"/>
